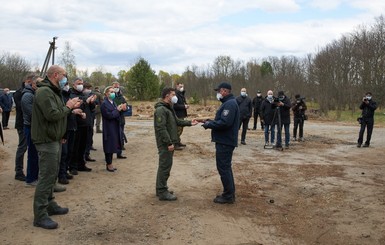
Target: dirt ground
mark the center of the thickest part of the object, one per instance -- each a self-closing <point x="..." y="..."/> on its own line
<point x="321" y="191"/>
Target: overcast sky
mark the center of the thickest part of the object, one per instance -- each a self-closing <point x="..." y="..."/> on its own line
<point x="174" y="34"/>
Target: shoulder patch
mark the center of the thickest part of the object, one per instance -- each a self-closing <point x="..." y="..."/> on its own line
<point x="225" y="113"/>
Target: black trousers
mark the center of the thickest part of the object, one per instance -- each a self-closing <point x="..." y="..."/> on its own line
<point x="298" y="122"/>
<point x="366" y="123"/>
<point x="223" y="157"/>
<point x="256" y="114"/>
<point x="66" y="153"/>
<point x="108" y="157"/>
<point x="79" y="149"/>
<point x="5" y="118"/>
<point x="90" y="140"/>
<point x="245" y="124"/>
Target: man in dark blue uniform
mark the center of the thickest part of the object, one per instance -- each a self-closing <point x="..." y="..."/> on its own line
<point x="224" y="132"/>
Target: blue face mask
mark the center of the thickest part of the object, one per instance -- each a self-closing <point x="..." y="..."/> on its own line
<point x="62" y="82"/>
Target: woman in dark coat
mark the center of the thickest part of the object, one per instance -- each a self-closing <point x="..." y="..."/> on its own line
<point x="111" y="127"/>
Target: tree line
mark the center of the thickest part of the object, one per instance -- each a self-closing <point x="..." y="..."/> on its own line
<point x="335" y="77"/>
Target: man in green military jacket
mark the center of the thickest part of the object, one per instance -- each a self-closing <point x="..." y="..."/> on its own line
<point x="166" y="133"/>
<point x="48" y="128"/>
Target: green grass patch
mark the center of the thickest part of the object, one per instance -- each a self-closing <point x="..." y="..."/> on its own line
<point x="348" y="116"/>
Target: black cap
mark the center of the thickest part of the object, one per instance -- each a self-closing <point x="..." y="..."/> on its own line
<point x="223" y="85"/>
<point x="259" y="91"/>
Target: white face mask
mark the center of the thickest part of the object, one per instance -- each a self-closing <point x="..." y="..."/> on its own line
<point x="79" y="87"/>
<point x="259" y="95"/>
<point x="66" y="88"/>
<point x="86" y="91"/>
<point x="174" y="99"/>
<point x="219" y="96"/>
<point x="369" y="97"/>
<point x="269" y="96"/>
<point x="181" y="89"/>
<point x="243" y="94"/>
<point x="116" y="90"/>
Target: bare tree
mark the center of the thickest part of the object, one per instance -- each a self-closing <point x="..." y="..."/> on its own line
<point x="67" y="60"/>
<point x="13" y="68"/>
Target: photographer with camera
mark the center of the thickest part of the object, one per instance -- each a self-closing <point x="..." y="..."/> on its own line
<point x="284" y="105"/>
<point x="299" y="107"/>
<point x="368" y="106"/>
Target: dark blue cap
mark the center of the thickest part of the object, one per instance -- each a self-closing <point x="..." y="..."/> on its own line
<point x="223" y="85"/>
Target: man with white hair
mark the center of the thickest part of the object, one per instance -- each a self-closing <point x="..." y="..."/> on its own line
<point x="267" y="117"/>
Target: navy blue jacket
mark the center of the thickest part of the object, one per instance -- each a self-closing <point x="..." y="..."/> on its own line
<point x="111" y="127"/>
<point x="225" y="126"/>
<point x="6" y="102"/>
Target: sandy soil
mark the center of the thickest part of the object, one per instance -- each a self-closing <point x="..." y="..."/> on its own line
<point x="321" y="191"/>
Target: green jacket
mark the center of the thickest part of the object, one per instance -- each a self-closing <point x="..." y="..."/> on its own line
<point x="49" y="114"/>
<point x="166" y="124"/>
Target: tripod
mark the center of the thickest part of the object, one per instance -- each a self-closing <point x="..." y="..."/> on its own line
<point x="51" y="51"/>
<point x="277" y="114"/>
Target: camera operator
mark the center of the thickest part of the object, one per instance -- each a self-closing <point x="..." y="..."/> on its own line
<point x="299" y="108"/>
<point x="284" y="104"/>
<point x="368" y="106"/>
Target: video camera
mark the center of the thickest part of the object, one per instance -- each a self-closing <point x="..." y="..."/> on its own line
<point x="278" y="99"/>
<point x="301" y="99"/>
